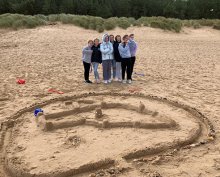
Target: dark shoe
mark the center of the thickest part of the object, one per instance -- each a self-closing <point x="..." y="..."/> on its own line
<point x="88" y="82"/>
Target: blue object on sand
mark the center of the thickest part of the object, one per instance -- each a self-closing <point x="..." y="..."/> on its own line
<point x="36" y="111"/>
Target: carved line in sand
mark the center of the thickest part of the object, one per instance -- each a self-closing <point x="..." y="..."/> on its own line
<point x="192" y="137"/>
<point x="44" y="123"/>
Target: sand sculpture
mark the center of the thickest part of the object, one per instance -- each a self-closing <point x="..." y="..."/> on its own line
<point x="88" y="132"/>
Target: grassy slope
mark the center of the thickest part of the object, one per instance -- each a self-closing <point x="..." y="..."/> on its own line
<point x="18" y="21"/>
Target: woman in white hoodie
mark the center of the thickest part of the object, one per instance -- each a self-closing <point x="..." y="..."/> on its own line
<point x="106" y="48"/>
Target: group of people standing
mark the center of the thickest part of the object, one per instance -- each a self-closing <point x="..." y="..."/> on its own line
<point x="116" y="55"/>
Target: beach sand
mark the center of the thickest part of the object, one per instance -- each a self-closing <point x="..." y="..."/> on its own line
<point x="182" y="67"/>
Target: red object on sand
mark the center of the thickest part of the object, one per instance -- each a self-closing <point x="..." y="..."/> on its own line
<point x="132" y="90"/>
<point x="55" y="91"/>
<point x="21" y="81"/>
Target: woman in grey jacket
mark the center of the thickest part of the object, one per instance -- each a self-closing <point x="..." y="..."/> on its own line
<point x="106" y="48"/>
<point x="124" y="50"/>
<point x="86" y="58"/>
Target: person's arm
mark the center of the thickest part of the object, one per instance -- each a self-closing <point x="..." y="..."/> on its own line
<point x="93" y="53"/>
<point x="86" y="50"/>
<point x="121" y="49"/>
<point x="125" y="49"/>
<point x="111" y="49"/>
<point x="100" y="56"/>
<point x="132" y="44"/>
<point x="105" y="51"/>
<point x="114" y="49"/>
<point x="135" y="47"/>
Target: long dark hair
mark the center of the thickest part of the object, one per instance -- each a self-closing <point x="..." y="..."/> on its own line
<point x="96" y="39"/>
<point x="117" y="37"/>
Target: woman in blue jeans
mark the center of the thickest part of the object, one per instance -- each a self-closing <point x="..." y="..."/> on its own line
<point x="113" y="61"/>
<point x="117" y="58"/>
<point x="96" y="59"/>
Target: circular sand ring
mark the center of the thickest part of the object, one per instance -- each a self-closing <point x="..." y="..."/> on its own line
<point x="16" y="166"/>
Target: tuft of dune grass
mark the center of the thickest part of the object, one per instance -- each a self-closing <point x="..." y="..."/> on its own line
<point x="217" y="26"/>
<point x="18" y="21"/>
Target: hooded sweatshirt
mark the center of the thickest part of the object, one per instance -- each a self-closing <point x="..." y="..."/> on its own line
<point x="87" y="54"/>
<point x="106" y="49"/>
<point x="116" y="51"/>
<point x="124" y="50"/>
<point x="133" y="47"/>
<point x="96" y="55"/>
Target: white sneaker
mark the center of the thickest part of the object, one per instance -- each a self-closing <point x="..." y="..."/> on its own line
<point x="116" y="79"/>
<point x="109" y="81"/>
<point x="124" y="82"/>
<point x="105" y="82"/>
<point x="119" y="80"/>
<point x="129" y="81"/>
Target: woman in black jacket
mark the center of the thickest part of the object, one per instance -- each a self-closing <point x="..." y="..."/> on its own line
<point x="117" y="58"/>
<point x="96" y="59"/>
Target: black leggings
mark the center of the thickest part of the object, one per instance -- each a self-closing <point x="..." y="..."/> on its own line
<point x="126" y="67"/>
<point x="133" y="59"/>
<point x="86" y="70"/>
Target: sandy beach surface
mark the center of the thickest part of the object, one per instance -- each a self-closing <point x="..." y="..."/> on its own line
<point x="182" y="67"/>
